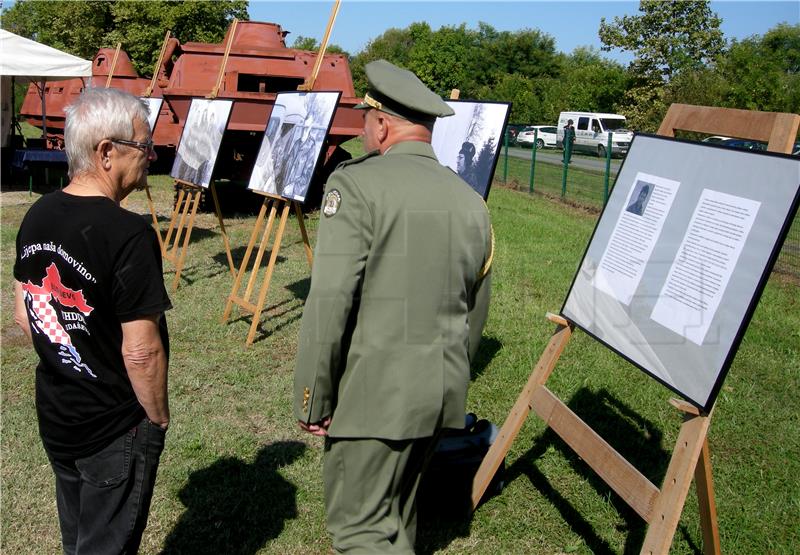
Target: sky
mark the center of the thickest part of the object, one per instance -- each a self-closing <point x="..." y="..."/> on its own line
<point x="570" y="23"/>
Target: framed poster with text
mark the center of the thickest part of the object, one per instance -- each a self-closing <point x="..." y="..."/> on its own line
<point x="680" y="255"/>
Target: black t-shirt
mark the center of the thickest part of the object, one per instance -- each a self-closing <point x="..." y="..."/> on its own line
<point x="86" y="265"/>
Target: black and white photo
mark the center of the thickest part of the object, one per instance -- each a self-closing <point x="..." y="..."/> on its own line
<point x="469" y="141"/>
<point x="200" y="141"/>
<point x="154" y="105"/>
<point x="292" y="143"/>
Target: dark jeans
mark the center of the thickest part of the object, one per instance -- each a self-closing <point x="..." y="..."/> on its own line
<point x="103" y="499"/>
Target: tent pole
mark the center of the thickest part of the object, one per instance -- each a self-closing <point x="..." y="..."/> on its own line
<point x="44" y="114"/>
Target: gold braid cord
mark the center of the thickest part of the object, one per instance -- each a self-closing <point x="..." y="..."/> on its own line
<point x="488" y="264"/>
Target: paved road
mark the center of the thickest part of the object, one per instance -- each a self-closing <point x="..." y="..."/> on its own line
<point x="553" y="156"/>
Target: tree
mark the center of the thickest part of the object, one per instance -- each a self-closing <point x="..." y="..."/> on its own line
<point x="763" y="73"/>
<point x="757" y="73"/>
<point x="81" y="28"/>
<point x="311" y="44"/>
<point x="668" y="38"/>
<point x="473" y="61"/>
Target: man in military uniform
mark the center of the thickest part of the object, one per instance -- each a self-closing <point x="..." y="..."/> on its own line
<point x="399" y="296"/>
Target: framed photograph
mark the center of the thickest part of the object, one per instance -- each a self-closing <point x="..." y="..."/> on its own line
<point x="680" y="256"/>
<point x="200" y="140"/>
<point x="155" y="108"/>
<point x="469" y="141"/>
<point x="292" y="143"/>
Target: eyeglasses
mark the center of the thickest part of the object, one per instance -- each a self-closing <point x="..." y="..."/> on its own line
<point x="147" y="147"/>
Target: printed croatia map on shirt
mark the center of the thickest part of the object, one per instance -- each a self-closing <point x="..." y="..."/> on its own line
<point x="44" y="315"/>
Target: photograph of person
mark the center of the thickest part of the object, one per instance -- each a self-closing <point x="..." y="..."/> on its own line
<point x="200" y="141"/>
<point x="469" y="142"/>
<point x="640" y="195"/>
<point x="292" y="143"/>
<point x="155" y="108"/>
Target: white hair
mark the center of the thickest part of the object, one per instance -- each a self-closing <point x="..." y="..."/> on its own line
<point x="99" y="114"/>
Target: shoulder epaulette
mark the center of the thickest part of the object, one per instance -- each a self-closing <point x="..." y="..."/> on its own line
<point x="357" y="160"/>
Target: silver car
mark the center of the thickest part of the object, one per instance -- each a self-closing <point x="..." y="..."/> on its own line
<point x="546" y="136"/>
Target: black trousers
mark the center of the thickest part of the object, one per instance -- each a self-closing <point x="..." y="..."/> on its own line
<point x="104" y="499"/>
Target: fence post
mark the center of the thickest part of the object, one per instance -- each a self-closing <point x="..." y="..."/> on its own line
<point x="567" y="156"/>
<point x="608" y="167"/>
<point x="505" y="162"/>
<point x="533" y="159"/>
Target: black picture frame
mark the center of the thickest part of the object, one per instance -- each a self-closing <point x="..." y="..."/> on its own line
<point x="154" y="104"/>
<point x="697" y="167"/>
<point x="291" y="147"/>
<point x="201" y="138"/>
<point x="469" y="141"/>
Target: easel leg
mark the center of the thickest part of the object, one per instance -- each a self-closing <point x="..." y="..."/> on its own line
<point x="262" y="247"/>
<point x="306" y="245"/>
<point x="174" y="218"/>
<point x="222" y="228"/>
<point x="669" y="504"/>
<point x="179" y="265"/>
<point x="704" y="481"/>
<point x="187" y="204"/>
<point x="519" y="413"/>
<point x="245" y="260"/>
<point x="270" y="267"/>
<point x="156" y="227"/>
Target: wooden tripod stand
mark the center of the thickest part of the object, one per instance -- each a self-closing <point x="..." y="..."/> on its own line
<point x="274" y="204"/>
<point x="661" y="507"/>
<point x="186" y="205"/>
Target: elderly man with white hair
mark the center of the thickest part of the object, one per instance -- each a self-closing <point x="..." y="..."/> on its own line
<point x="90" y="294"/>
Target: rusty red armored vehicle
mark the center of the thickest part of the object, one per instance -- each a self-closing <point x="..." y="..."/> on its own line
<point x="259" y="65"/>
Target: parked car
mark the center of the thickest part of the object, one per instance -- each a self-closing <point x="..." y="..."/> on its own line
<point x="545" y="136"/>
<point x="745" y="144"/>
<point x="716" y="139"/>
<point x="512" y="131"/>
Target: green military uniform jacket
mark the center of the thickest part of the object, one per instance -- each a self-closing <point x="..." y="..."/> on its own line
<point x="399" y="296"/>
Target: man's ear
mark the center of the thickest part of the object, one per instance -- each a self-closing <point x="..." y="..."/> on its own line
<point x="104" y="151"/>
<point x="383" y="127"/>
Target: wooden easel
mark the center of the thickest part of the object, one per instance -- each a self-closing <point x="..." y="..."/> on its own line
<point x="113" y="65"/>
<point x="147" y="94"/>
<point x="189" y="194"/>
<point x="186" y="205"/>
<point x="660" y="508"/>
<point x="274" y="204"/>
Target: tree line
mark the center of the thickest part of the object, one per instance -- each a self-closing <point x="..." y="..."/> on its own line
<point x="679" y="55"/>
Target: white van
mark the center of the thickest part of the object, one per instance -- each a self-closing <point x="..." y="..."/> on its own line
<point x="591" y="132"/>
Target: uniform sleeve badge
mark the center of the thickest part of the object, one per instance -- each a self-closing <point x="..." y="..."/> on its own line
<point x="333" y="200"/>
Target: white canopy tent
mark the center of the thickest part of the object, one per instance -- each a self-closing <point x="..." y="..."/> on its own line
<point x="30" y="60"/>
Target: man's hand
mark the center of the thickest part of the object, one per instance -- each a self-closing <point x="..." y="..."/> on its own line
<point x="318" y="429"/>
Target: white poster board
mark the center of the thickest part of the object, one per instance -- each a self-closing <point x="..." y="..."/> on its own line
<point x="680" y="256"/>
<point x="292" y="143"/>
<point x="200" y="141"/>
<point x="469" y="141"/>
<point x="154" y="104"/>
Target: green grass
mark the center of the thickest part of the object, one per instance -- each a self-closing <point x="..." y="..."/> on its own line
<point x="238" y="476"/>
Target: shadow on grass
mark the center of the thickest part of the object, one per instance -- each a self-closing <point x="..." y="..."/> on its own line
<point x="634" y="437"/>
<point x="221" y="258"/>
<point x="236" y="507"/>
<point x="488" y="348"/>
<point x="300" y="288"/>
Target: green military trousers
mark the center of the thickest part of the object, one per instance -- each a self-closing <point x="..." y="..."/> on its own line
<point x="370" y="493"/>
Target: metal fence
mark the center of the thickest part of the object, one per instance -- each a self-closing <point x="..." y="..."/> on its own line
<point x="586" y="181"/>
